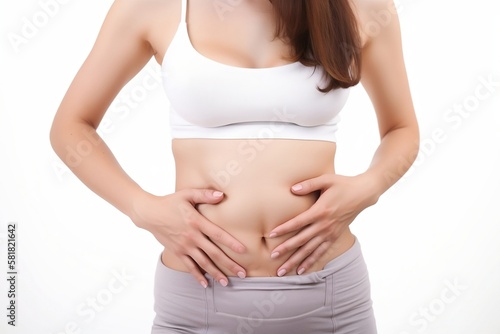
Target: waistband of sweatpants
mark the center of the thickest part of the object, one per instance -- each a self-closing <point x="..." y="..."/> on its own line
<point x="335" y="265"/>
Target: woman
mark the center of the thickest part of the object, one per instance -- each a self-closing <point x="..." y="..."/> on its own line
<point x="256" y="235"/>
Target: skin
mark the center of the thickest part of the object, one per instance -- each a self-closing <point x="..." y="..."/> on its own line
<point x="280" y="214"/>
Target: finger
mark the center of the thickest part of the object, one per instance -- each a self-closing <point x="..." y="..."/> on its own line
<point x="296" y="223"/>
<point x="202" y="196"/>
<point x="313" y="257"/>
<point x="206" y="264"/>
<point x="295" y="242"/>
<point x="194" y="270"/>
<point x="316" y="183"/>
<point x="299" y="256"/>
<point x="220" y="259"/>
<point x="220" y="236"/>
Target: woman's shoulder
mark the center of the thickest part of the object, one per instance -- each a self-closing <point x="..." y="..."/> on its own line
<point x="367" y="6"/>
<point x="373" y="16"/>
<point x="155" y="21"/>
<point x="144" y="10"/>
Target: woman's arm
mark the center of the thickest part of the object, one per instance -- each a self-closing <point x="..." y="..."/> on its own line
<point x="342" y="197"/>
<point x="383" y="76"/>
<point x="120" y="52"/>
<point x="116" y="57"/>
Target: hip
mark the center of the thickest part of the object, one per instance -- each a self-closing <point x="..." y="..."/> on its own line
<point x="334" y="299"/>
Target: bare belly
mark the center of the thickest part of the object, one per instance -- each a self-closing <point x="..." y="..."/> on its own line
<point x="256" y="177"/>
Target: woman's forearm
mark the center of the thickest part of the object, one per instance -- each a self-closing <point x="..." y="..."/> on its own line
<point x="90" y="159"/>
<point x="396" y="153"/>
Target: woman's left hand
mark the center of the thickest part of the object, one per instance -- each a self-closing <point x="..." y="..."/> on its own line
<point x="341" y="199"/>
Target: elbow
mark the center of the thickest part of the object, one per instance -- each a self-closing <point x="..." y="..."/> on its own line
<point x="55" y="135"/>
<point x="59" y="133"/>
<point x="408" y="138"/>
<point x="72" y="138"/>
<point x="415" y="135"/>
<point x="413" y="140"/>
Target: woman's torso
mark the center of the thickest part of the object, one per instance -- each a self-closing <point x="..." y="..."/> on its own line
<point x="255" y="174"/>
<point x="256" y="177"/>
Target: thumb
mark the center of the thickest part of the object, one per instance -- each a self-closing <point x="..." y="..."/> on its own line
<point x="308" y="186"/>
<point x="208" y="196"/>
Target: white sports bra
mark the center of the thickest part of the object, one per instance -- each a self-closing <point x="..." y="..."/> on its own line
<point x="212" y="100"/>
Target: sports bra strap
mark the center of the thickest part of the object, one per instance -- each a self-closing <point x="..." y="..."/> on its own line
<point x="184" y="10"/>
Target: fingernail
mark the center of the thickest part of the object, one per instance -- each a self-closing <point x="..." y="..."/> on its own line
<point x="204" y="284"/>
<point x="272" y="235"/>
<point x="241" y="274"/>
<point x="282" y="272"/>
<point x="217" y="193"/>
<point x="223" y="282"/>
<point x="301" y="271"/>
<point x="297" y="187"/>
<point x="275" y="255"/>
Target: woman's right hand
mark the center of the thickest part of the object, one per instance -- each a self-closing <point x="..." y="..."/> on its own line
<point x="179" y="227"/>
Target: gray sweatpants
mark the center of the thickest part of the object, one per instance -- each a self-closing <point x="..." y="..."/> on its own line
<point x="333" y="300"/>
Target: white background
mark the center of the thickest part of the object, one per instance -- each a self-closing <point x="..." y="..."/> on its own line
<point x="442" y="219"/>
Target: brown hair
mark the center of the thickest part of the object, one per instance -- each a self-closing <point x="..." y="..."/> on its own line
<point x="322" y="32"/>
